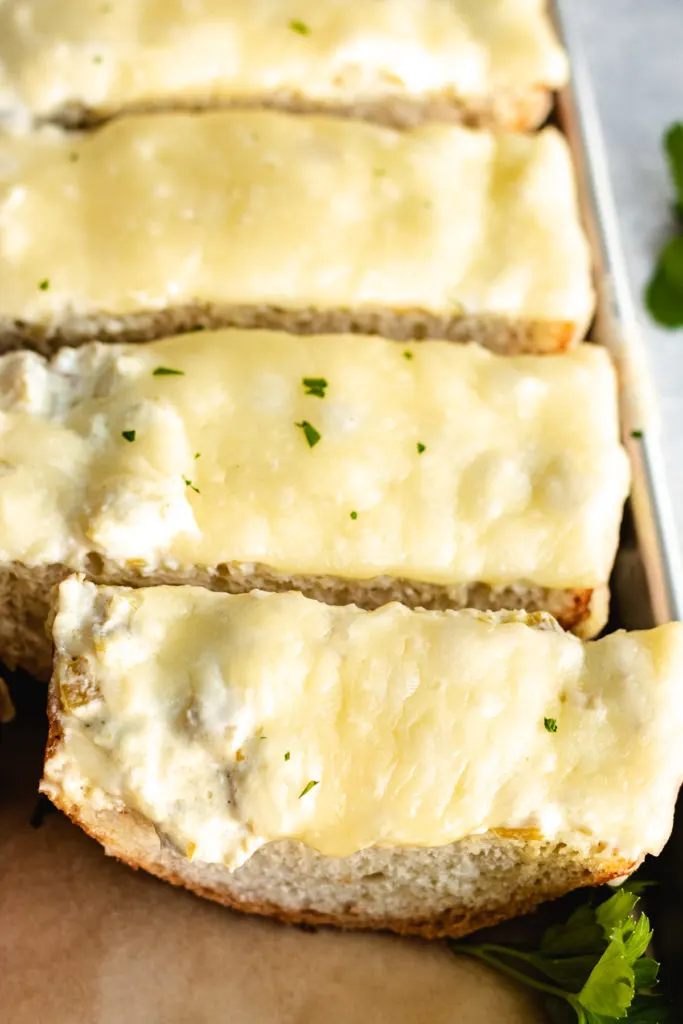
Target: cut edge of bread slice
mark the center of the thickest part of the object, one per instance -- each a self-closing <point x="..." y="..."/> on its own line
<point x="430" y="892"/>
<point x="521" y="109"/>
<point x="26" y="598"/>
<point x="509" y="336"/>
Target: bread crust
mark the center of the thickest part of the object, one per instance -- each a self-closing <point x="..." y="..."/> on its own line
<point x="133" y="840"/>
<point x="508" y="109"/>
<point x="25" y="596"/>
<point x="507" y="336"/>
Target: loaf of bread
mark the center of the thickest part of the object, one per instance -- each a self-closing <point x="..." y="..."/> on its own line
<point x="310" y="224"/>
<point x="350" y="468"/>
<point x="398" y="61"/>
<point x="428" y="772"/>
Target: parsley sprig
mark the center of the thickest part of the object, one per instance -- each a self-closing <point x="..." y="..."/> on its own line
<point x="664" y="293"/>
<point x="595" y="964"/>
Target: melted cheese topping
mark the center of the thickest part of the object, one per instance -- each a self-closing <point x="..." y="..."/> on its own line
<point x="522" y="476"/>
<point x="260" y="208"/>
<point x="109" y="55"/>
<point x="211" y="716"/>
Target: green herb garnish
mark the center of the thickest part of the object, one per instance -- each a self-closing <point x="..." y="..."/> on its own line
<point x="166" y="371"/>
<point x="188" y="483"/>
<point x="97" y="59"/>
<point x="308" y="787"/>
<point x="300" y="27"/>
<point x="128" y="435"/>
<point x="637" y="434"/>
<point x="421" y="447"/>
<point x="310" y="433"/>
<point x="550" y="724"/>
<point x="287" y="755"/>
<point x="593" y="964"/>
<point x="197" y="455"/>
<point x="407" y="354"/>
<point x="315" y="386"/>
<point x="664" y="293"/>
<point x="73" y="157"/>
<point x="354" y="515"/>
<point x="44" y="285"/>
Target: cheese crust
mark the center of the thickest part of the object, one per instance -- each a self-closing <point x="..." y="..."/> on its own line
<point x="104" y="57"/>
<point x="268" y="210"/>
<point x="430" y="462"/>
<point x="234" y="721"/>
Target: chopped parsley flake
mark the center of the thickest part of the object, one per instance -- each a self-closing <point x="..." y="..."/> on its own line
<point x="166" y="371"/>
<point x="308" y="787"/>
<point x="354" y="515"/>
<point x="287" y="755"/>
<point x="550" y="724"/>
<point x="637" y="434"/>
<point x="421" y="447"/>
<point x="300" y="27"/>
<point x="310" y="433"/>
<point x="315" y="386"/>
<point x="188" y="483"/>
<point x="128" y="435"/>
<point x="197" y="455"/>
<point x="44" y="285"/>
<point x="407" y="354"/>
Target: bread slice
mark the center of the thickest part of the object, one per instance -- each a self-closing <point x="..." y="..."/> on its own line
<point x="310" y="224"/>
<point x="492" y="64"/>
<point x="427" y="772"/>
<point x="334" y="465"/>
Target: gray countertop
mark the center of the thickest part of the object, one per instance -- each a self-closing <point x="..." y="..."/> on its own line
<point x="633" y="50"/>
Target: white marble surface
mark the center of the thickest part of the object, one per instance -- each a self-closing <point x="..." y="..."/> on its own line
<point x="634" y="53"/>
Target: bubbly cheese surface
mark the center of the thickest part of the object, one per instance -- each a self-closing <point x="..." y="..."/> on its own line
<point x="452" y="466"/>
<point x="262" y="208"/>
<point x="229" y="722"/>
<point x="108" y="55"/>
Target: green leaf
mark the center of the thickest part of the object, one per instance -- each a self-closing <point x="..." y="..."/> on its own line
<point x="308" y="787"/>
<point x="645" y="972"/>
<point x="638" y="886"/>
<point x="671" y="261"/>
<point x="315" y="386"/>
<point x="639" y="939"/>
<point x="650" y="1010"/>
<point x="664" y="299"/>
<point x="580" y="934"/>
<point x="615" y="912"/>
<point x="673" y="143"/>
<point x="310" y="433"/>
<point x="611" y="985"/>
<point x="571" y="972"/>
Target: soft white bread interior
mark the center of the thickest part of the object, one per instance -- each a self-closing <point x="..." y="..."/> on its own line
<point x="349" y="468"/>
<point x="310" y="224"/>
<point x="428" y="772"/>
<point x="397" y="61"/>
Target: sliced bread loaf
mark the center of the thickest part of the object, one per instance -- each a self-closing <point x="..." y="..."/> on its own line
<point x="347" y="467"/>
<point x="310" y="224"/>
<point x="398" y="61"/>
<point x="427" y="772"/>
